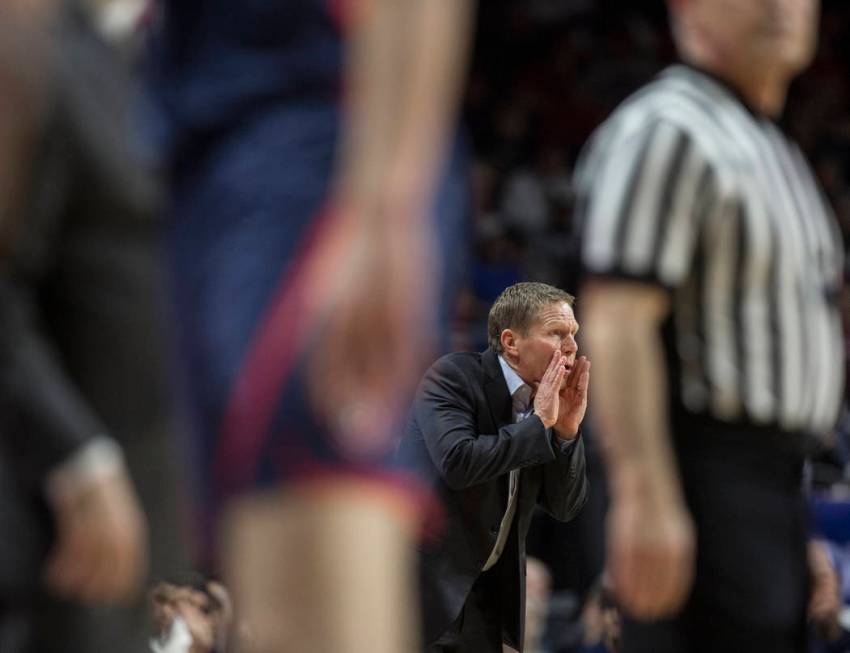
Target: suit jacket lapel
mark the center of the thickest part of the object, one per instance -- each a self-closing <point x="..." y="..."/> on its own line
<point x="496" y="390"/>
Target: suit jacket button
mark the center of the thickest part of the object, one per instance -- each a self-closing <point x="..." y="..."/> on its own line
<point x="494" y="530"/>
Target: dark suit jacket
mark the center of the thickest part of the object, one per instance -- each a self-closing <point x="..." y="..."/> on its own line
<point x="462" y="441"/>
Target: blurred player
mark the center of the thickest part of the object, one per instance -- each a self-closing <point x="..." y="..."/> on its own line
<point x="711" y="312"/>
<point x="305" y="141"/>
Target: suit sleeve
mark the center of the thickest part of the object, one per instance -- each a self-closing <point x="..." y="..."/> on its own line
<point x="44" y="419"/>
<point x="565" y="486"/>
<point x="445" y="411"/>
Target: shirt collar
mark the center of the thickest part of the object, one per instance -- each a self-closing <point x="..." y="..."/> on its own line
<point x="724" y="86"/>
<point x="515" y="382"/>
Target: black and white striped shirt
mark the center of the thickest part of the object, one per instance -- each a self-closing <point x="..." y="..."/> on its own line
<point x="685" y="187"/>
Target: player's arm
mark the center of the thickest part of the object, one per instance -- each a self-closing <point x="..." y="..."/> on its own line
<point x="651" y="537"/>
<point x="405" y="62"/>
<point x="638" y="248"/>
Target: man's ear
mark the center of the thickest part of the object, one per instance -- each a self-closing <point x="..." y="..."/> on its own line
<point x="508" y="340"/>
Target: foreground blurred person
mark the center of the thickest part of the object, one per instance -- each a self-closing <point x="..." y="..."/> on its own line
<point x="713" y="269"/>
<point x="494" y="435"/>
<point x="305" y="275"/>
<point x="84" y="419"/>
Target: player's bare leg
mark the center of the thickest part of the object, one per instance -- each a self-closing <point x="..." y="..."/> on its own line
<point x="322" y="569"/>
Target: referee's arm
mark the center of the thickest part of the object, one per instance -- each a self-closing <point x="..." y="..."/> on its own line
<point x="640" y="221"/>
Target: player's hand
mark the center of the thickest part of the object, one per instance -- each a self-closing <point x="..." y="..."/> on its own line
<point x="547" y="397"/>
<point x="379" y="330"/>
<point x="100" y="554"/>
<point x="573" y="399"/>
<point x="651" y="553"/>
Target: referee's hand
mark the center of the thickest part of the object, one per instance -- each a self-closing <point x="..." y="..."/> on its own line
<point x="651" y="551"/>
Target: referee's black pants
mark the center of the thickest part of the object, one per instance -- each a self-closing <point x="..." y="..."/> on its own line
<point x="750" y="593"/>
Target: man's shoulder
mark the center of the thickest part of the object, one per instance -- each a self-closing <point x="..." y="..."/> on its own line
<point x="689" y="100"/>
<point x="466" y="368"/>
<point x="459" y="362"/>
<point x="457" y="374"/>
<point x="679" y="101"/>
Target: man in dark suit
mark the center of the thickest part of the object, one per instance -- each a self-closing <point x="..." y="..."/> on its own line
<point x="494" y="435"/>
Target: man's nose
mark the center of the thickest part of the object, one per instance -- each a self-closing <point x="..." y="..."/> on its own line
<point x="569" y="345"/>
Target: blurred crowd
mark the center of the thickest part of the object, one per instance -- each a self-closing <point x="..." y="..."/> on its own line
<point x="545" y="74"/>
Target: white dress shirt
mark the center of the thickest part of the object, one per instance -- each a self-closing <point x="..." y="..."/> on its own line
<point x="520" y="393"/>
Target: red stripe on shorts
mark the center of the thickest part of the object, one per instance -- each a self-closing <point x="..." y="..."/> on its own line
<point x="267" y="366"/>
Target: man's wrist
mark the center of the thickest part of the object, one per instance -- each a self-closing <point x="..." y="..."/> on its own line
<point x="640" y="484"/>
<point x="96" y="459"/>
<point x="568" y="434"/>
<point x="547" y="423"/>
<point x="562" y="445"/>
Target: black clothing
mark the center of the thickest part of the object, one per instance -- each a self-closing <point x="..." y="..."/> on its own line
<point x="750" y="594"/>
<point x="463" y="442"/>
<point x="81" y="344"/>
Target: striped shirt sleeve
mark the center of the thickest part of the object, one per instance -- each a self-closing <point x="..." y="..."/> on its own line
<point x="641" y="201"/>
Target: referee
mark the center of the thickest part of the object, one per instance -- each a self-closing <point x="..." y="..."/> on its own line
<point x="712" y="269"/>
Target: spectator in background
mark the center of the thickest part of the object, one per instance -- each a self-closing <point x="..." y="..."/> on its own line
<point x="826" y="600"/>
<point x="87" y="468"/>
<point x="192" y="615"/>
<point x="601" y="621"/>
<point x="538" y="592"/>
